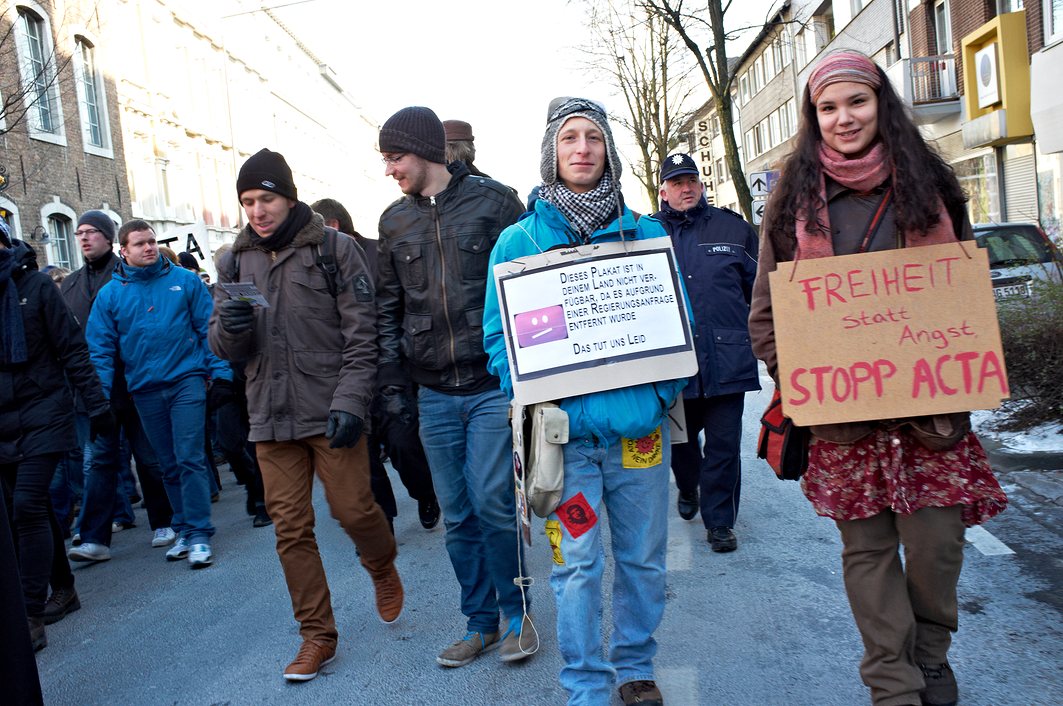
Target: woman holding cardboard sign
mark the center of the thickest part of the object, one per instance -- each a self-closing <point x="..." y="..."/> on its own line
<point x="861" y="179"/>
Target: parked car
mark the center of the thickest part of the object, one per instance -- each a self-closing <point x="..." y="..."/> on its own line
<point x="1019" y="254"/>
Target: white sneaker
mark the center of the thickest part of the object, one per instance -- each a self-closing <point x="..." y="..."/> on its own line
<point x="200" y="556"/>
<point x="163" y="536"/>
<point x="178" y="551"/>
<point x="89" y="552"/>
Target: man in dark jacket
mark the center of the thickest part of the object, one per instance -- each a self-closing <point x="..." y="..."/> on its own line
<point x="95" y="233"/>
<point x="435" y="244"/>
<point x="717" y="254"/>
<point x="396" y="434"/>
<point x="310" y="365"/>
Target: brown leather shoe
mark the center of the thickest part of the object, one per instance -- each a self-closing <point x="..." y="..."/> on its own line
<point x="641" y="693"/>
<point x="389" y="594"/>
<point x="311" y="658"/>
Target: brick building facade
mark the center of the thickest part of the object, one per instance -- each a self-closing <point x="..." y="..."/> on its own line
<point x="60" y="140"/>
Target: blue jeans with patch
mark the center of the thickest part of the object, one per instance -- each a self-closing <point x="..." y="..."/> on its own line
<point x="636" y="501"/>
<point x="468" y="443"/>
<point x="174" y="418"/>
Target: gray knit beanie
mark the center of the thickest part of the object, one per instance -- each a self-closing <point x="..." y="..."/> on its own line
<point x="416" y="130"/>
<point x="562" y="110"/>
<point x="100" y="221"/>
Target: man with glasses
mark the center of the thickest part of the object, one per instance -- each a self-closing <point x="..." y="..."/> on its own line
<point x="432" y="270"/>
<point x="95" y="234"/>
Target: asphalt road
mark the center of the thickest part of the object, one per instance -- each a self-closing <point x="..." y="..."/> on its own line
<point x="767" y="624"/>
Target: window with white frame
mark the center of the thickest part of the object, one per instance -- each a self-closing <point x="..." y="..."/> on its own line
<point x="40" y="85"/>
<point x="65" y="252"/>
<point x="721" y="174"/>
<point x="92" y="99"/>
<point x="1053" y="19"/>
<point x="743" y="82"/>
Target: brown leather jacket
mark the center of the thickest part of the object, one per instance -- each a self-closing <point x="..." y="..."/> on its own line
<point x="309" y="352"/>
<point x="848" y="214"/>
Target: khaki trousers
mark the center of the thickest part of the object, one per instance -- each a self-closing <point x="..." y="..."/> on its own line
<point x="906" y="615"/>
<point x="288" y="469"/>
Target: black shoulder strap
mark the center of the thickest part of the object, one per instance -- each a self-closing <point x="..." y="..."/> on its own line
<point x="326" y="262"/>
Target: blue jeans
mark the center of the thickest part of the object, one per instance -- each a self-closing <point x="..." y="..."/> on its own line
<point x="67" y="487"/>
<point x="467" y="441"/>
<point x="105" y="496"/>
<point x="636" y="500"/>
<point x="174" y="419"/>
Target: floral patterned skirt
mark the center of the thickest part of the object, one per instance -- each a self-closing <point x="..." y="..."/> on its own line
<point x="891" y="470"/>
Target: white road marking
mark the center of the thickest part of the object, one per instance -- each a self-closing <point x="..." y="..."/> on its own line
<point x="985" y="542"/>
<point x="678" y="685"/>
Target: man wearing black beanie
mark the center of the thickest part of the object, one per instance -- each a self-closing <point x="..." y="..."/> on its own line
<point x="431" y="275"/>
<point x="311" y="364"/>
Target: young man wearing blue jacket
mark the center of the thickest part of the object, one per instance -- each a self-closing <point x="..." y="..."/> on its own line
<point x="580" y="202"/>
<point x="153" y="316"/>
<point x="717" y="254"/>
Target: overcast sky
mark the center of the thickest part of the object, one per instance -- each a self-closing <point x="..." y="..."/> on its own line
<point x="493" y="63"/>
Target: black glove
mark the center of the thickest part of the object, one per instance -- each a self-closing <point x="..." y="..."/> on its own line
<point x="102" y="424"/>
<point x="219" y="394"/>
<point x="343" y="429"/>
<point x="397" y="403"/>
<point x="237" y="315"/>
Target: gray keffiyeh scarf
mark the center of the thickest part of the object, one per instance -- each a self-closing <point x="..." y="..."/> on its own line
<point x="588" y="211"/>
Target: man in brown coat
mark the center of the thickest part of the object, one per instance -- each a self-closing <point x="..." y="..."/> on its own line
<point x="311" y="366"/>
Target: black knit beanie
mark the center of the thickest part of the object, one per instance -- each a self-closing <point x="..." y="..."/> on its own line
<point x="267" y="170"/>
<point x="416" y="130"/>
<point x="100" y="221"/>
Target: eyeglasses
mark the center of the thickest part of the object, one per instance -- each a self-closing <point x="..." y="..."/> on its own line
<point x="87" y="232"/>
<point x="393" y="159"/>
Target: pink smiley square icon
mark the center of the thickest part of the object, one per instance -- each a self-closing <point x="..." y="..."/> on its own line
<point x="540" y="326"/>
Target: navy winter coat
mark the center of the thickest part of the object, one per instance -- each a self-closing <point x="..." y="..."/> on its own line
<point x="717" y="253"/>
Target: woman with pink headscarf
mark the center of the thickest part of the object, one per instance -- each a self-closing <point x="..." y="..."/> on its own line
<point x="914" y="483"/>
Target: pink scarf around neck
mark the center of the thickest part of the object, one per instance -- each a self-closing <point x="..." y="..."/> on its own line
<point x="861" y="174"/>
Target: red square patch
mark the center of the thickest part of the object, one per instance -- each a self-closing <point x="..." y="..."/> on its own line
<point x="576" y="515"/>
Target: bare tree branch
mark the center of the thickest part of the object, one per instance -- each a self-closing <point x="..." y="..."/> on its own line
<point x="640" y="56"/>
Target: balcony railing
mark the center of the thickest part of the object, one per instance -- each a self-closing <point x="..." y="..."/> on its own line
<point x="933" y="79"/>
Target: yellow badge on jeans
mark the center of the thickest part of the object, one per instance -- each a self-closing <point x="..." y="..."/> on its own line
<point x="642" y="453"/>
<point x="553" y="533"/>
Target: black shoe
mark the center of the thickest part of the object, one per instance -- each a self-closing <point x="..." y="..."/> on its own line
<point x="262" y="518"/>
<point x="941" y="689"/>
<point x="688" y="505"/>
<point x="62" y="602"/>
<point x="214" y="497"/>
<point x="722" y="539"/>
<point x="38" y="638"/>
<point x="641" y="693"/>
<point x="428" y="511"/>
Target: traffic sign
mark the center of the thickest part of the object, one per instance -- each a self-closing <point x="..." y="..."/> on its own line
<point x="758" y="210"/>
<point x="761" y="183"/>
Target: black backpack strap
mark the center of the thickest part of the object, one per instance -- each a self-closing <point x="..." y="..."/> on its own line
<point x="326" y="262"/>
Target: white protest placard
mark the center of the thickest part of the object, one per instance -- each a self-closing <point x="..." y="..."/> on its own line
<point x="592" y="318"/>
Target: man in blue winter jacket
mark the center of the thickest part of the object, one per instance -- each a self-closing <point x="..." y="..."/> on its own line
<point x="580" y="202"/>
<point x="153" y="316"/>
<point x="717" y="254"/>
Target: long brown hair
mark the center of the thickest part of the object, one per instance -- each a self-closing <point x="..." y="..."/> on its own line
<point x="920" y="176"/>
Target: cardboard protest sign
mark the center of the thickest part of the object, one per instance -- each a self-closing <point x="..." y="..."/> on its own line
<point x="890" y="334"/>
<point x="592" y="318"/>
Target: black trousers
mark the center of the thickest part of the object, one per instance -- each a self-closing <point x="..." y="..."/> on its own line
<point x="26" y="484"/>
<point x="233" y="427"/>
<point x="715" y="467"/>
<point x="18" y="668"/>
<point x="401" y="440"/>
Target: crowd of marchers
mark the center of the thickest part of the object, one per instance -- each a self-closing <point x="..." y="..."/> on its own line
<point x="319" y="353"/>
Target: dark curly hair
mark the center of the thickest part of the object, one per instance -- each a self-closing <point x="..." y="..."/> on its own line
<point x="920" y="175"/>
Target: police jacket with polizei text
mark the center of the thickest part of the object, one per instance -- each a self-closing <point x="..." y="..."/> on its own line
<point x="432" y="274"/>
<point x="309" y="352"/>
<point x="717" y="254"/>
<point x="36" y="410"/>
